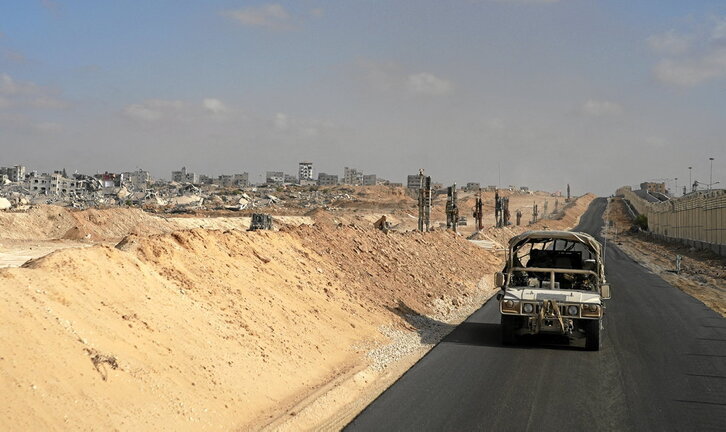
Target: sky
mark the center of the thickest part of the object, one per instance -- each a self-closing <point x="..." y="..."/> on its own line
<point x="542" y="93"/>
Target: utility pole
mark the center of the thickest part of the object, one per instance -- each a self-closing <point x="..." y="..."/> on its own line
<point x="710" y="181"/>
<point x="479" y="212"/>
<point x="676" y="189"/>
<point x="424" y="201"/>
<point x="690" y="180"/>
<point x="452" y="210"/>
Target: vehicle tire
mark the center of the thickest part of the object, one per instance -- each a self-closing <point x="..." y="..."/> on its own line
<point x="593" y="335"/>
<point x="509" y="326"/>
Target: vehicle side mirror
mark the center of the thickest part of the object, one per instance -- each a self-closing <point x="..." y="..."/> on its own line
<point x="605" y="291"/>
<point x="499" y="279"/>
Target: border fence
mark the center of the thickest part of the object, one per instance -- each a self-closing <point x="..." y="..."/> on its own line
<point x="697" y="219"/>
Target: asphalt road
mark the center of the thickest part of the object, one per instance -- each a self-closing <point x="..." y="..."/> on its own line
<point x="662" y="368"/>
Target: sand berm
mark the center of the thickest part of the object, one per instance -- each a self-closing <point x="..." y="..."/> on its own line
<point x="213" y="329"/>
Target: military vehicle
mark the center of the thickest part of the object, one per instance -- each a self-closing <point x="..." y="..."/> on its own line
<point x="553" y="282"/>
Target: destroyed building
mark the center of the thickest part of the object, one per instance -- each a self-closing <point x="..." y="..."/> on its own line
<point x="53" y="184"/>
<point x="15" y="174"/>
<point x="233" y="180"/>
<point x="352" y="176"/>
<point x="289" y="179"/>
<point x="183" y="176"/>
<point x="305" y="171"/>
<point x="274" y="177"/>
<point x="472" y="187"/>
<point x="327" y="179"/>
<point x="139" y="179"/>
<point x="369" y="180"/>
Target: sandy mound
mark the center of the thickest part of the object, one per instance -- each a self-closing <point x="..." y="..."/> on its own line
<point x="209" y="329"/>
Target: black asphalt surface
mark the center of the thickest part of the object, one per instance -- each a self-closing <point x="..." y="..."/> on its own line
<point x="662" y="368"/>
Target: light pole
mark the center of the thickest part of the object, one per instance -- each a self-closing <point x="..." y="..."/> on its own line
<point x="690" y="181"/>
<point x="675" y="193"/>
<point x="710" y="181"/>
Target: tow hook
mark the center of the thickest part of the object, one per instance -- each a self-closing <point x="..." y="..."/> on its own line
<point x="569" y="327"/>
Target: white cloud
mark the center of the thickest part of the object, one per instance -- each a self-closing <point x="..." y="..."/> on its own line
<point x="273" y="16"/>
<point x="598" y="108"/>
<point x="719" y="29"/>
<point x="691" y="71"/>
<point x="8" y="86"/>
<point x="15" y="93"/>
<point x="426" y="83"/>
<point x="692" y="59"/>
<point x="282" y="122"/>
<point x="669" y="43"/>
<point x="215" y="106"/>
<point x="154" y="110"/>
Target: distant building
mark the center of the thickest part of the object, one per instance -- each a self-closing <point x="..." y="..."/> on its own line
<point x="225" y="180"/>
<point x="107" y="179"/>
<point x="15" y="173"/>
<point x="55" y="184"/>
<point x="241" y="180"/>
<point x="275" y="177"/>
<point x="352" y="176"/>
<point x="369" y="180"/>
<point x="140" y="179"/>
<point x="305" y="171"/>
<point x="327" y="179"/>
<point x="289" y="179"/>
<point x="653" y="187"/>
<point x="472" y="187"/>
<point x="184" y="176"/>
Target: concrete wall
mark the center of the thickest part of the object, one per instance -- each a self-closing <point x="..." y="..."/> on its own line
<point x="697" y="219"/>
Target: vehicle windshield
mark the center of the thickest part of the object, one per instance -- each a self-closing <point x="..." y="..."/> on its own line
<point x="572" y="265"/>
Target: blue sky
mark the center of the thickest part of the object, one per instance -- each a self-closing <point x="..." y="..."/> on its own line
<point x="594" y="93"/>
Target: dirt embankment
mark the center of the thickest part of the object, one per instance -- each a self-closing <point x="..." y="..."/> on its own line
<point x="47" y="223"/>
<point x="702" y="275"/>
<point x="208" y="329"/>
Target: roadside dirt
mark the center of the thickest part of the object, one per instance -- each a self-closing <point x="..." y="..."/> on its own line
<point x="702" y="275"/>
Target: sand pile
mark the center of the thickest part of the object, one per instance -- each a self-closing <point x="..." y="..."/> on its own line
<point x="52" y="222"/>
<point x="208" y="329"/>
<point x="111" y="225"/>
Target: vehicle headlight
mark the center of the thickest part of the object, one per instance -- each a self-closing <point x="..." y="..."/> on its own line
<point x="572" y="310"/>
<point x="510" y="306"/>
<point x="528" y="308"/>
<point x="591" y="310"/>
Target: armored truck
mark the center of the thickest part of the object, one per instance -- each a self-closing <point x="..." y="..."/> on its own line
<point x="553" y="282"/>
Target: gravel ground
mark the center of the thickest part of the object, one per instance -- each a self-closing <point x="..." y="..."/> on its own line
<point x="426" y="331"/>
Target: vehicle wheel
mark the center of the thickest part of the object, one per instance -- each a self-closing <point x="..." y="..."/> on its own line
<point x="509" y="325"/>
<point x="593" y="335"/>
